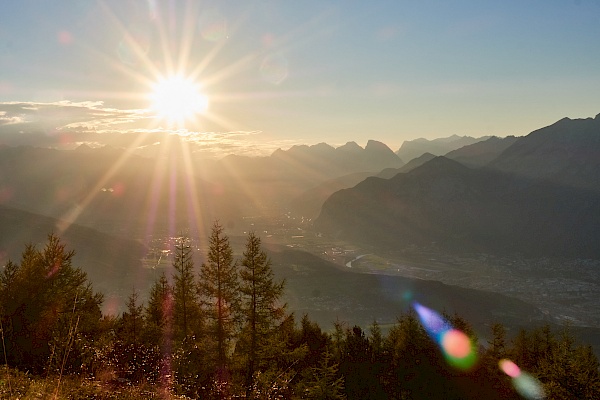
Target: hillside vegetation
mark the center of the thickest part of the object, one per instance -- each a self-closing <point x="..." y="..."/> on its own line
<point x="225" y="333"/>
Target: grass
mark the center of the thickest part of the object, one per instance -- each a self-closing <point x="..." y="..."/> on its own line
<point x="24" y="386"/>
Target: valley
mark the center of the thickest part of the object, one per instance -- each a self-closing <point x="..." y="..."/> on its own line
<point x="516" y="237"/>
<point x="549" y="284"/>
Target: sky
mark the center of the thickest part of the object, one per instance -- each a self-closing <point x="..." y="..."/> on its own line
<point x="276" y="73"/>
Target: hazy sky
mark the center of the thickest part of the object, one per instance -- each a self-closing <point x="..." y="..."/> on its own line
<point x="278" y="73"/>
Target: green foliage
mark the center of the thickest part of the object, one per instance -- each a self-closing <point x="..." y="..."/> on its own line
<point x="260" y="310"/>
<point x="376" y="340"/>
<point x="322" y="382"/>
<point x="159" y="313"/>
<point x="568" y="371"/>
<point x="280" y="358"/>
<point x="360" y="372"/>
<point x="47" y="304"/>
<point x="132" y="321"/>
<point x="27" y="386"/>
<point x="316" y="341"/>
<point x="186" y="311"/>
<point x="219" y="292"/>
<point x="51" y="326"/>
<point x="192" y="376"/>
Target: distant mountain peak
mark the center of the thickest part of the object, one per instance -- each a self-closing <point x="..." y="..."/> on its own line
<point x="376" y="145"/>
<point x="350" y="147"/>
<point x="411" y="149"/>
<point x="84" y="147"/>
<point x="321" y="145"/>
<point x="321" y="148"/>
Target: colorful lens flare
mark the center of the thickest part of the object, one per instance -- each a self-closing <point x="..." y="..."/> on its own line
<point x="525" y="384"/>
<point x="455" y="344"/>
<point x="433" y="323"/>
<point x="509" y="368"/>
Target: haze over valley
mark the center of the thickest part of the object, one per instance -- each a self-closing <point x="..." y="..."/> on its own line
<point x="511" y="216"/>
<point x="299" y="200"/>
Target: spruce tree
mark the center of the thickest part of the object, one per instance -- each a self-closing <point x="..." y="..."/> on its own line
<point x="497" y="345"/>
<point x="186" y="314"/>
<point x="261" y="309"/>
<point x="47" y="304"/>
<point x="133" y="320"/>
<point x="132" y="359"/>
<point x="219" y="292"/>
<point x="159" y="311"/>
<point x="322" y="382"/>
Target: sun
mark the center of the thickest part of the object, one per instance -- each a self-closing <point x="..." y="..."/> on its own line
<point x="177" y="99"/>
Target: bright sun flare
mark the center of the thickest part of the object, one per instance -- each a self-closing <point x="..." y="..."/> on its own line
<point x="177" y="99"/>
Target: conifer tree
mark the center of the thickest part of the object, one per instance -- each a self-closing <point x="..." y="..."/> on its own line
<point x="159" y="311"/>
<point x="497" y="345"/>
<point x="219" y="292"/>
<point x="186" y="313"/>
<point x="261" y="309"/>
<point x="376" y="340"/>
<point x="130" y="356"/>
<point x="323" y="382"/>
<point x="133" y="319"/>
<point x="46" y="304"/>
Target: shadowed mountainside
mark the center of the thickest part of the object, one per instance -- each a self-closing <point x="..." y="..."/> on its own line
<point x="409" y="166"/>
<point x="465" y="210"/>
<point x="111" y="190"/>
<point x="481" y="153"/>
<point x="540" y="196"/>
<point x="274" y="181"/>
<point x="309" y="203"/>
<point x="566" y="153"/>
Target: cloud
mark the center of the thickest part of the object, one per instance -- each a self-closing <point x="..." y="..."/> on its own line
<point x="67" y="124"/>
<point x="9" y="120"/>
<point x="61" y="124"/>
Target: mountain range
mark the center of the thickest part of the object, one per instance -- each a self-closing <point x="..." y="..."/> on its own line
<point x="411" y="149"/>
<point x="110" y="190"/>
<point x="119" y="192"/>
<point x="540" y="196"/>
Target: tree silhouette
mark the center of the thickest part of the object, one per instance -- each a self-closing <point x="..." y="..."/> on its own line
<point x="46" y="304"/>
<point x="260" y="307"/>
<point x="219" y="292"/>
<point x="186" y="310"/>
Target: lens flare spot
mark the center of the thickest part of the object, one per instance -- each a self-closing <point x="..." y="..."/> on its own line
<point x="456" y="344"/>
<point x="528" y="386"/>
<point x="274" y="69"/>
<point x="509" y="368"/>
<point x="525" y="384"/>
<point x="65" y="38"/>
<point x="458" y="349"/>
<point x="433" y="323"/>
<point x="118" y="189"/>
